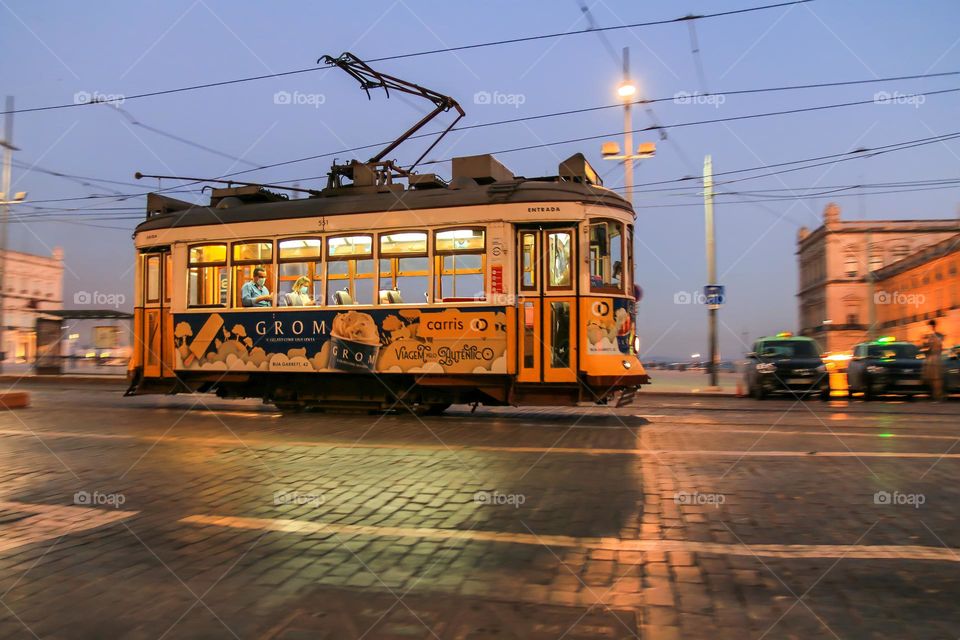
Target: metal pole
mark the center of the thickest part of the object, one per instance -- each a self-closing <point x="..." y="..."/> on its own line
<point x="711" y="265"/>
<point x="871" y="302"/>
<point x="627" y="131"/>
<point x="4" y="214"/>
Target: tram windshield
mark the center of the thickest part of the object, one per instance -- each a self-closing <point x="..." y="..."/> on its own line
<point x="606" y="256"/>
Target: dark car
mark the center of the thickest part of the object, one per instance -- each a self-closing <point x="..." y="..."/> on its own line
<point x="951" y="370"/>
<point x="886" y="366"/>
<point x="789" y="365"/>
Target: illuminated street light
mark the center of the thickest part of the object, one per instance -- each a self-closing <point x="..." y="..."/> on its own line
<point x="19" y="196"/>
<point x="627" y="90"/>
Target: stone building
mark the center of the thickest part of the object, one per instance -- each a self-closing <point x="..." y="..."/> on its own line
<point x="31" y="285"/>
<point x="836" y="299"/>
<point x="923" y="286"/>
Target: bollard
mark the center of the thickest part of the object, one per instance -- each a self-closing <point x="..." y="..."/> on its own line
<point x="14" y="400"/>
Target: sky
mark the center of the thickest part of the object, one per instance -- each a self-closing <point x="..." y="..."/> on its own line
<point x="55" y="53"/>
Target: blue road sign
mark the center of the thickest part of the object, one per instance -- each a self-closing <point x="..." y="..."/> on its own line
<point x="714" y="294"/>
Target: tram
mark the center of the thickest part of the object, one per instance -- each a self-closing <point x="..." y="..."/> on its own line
<point x="392" y="289"/>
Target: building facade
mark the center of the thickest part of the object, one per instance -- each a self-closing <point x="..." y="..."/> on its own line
<point x="836" y="298"/>
<point x="31" y="285"/>
<point x="922" y="287"/>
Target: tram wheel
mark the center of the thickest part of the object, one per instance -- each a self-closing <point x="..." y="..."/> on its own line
<point x="287" y="407"/>
<point x="436" y="409"/>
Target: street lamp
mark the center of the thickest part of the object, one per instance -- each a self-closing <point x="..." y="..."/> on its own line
<point x="19" y="196"/>
<point x="627" y="90"/>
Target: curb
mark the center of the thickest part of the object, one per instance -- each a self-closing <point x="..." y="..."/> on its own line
<point x="14" y="400"/>
<point x="688" y="394"/>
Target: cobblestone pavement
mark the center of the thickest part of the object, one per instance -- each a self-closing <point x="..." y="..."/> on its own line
<point x="191" y="517"/>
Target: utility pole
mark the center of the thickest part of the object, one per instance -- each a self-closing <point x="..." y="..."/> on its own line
<point x="8" y="150"/>
<point x="711" y="267"/>
<point x="627" y="130"/>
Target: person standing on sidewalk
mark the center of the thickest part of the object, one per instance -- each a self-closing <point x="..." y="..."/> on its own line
<point x="933" y="365"/>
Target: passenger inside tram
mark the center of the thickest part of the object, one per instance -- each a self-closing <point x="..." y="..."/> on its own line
<point x="255" y="292"/>
<point x="299" y="296"/>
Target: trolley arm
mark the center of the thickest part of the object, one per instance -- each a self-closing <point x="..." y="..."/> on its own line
<point x="371" y="79"/>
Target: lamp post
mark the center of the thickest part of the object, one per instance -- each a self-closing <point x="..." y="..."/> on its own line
<point x="611" y="150"/>
<point x="8" y="149"/>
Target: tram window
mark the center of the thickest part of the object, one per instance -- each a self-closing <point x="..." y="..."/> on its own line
<point x="404" y="268"/>
<point x="404" y="280"/>
<point x="461" y="264"/>
<point x="243" y="274"/>
<point x="559" y="334"/>
<point x="558" y="245"/>
<point x="410" y="243"/>
<point x="606" y="256"/>
<point x="153" y="278"/>
<point x="293" y="276"/>
<point x="529" y="335"/>
<point x="456" y="240"/>
<point x="249" y="257"/>
<point x="167" y="276"/>
<point x="528" y="257"/>
<point x="300" y="263"/>
<point x="257" y="252"/>
<point x="350" y="270"/>
<point x="207" y="277"/>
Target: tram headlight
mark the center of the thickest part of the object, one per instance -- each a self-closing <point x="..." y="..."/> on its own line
<point x="626" y="365"/>
<point x="636" y="345"/>
<point x="875" y="370"/>
<point x="766" y="367"/>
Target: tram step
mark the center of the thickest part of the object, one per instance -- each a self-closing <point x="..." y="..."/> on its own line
<point x="626" y="397"/>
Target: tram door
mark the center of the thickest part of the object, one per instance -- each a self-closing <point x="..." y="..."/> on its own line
<point x="546" y="300"/>
<point x="156" y="332"/>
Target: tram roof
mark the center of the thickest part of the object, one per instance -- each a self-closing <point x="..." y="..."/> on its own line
<point x="517" y="191"/>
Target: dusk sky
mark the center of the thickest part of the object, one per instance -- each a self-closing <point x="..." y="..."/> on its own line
<point x="53" y="51"/>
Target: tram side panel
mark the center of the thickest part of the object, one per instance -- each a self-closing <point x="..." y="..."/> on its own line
<point x="383" y="340"/>
<point x="608" y="344"/>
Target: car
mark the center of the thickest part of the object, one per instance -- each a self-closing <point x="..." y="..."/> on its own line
<point x="886" y="366"/>
<point x="951" y="370"/>
<point x="786" y="364"/>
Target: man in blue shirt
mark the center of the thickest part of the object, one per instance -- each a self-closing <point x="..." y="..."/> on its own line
<point x="255" y="293"/>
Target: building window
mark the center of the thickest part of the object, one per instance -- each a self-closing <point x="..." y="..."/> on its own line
<point x="850" y="266"/>
<point x="404" y="268"/>
<point x="350" y="272"/>
<point x="460" y="264"/>
<point x="900" y="251"/>
<point x="207" y="281"/>
<point x="606" y="256"/>
<point x="876" y="262"/>
<point x="299" y="266"/>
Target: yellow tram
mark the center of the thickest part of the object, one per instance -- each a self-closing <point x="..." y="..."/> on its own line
<point x="392" y="289"/>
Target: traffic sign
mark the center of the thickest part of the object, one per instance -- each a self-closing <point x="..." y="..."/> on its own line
<point x="714" y="294"/>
